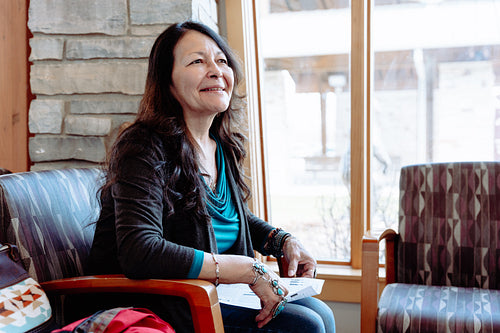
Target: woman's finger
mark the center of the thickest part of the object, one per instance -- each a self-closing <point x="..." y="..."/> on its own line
<point x="264" y="315"/>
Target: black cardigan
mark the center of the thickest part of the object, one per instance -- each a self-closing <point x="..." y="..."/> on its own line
<point x="133" y="235"/>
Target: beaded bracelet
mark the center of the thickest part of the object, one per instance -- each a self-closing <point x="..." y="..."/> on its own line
<point x="280" y="241"/>
<point x="217" y="270"/>
<point x="275" y="242"/>
<point x="270" y="244"/>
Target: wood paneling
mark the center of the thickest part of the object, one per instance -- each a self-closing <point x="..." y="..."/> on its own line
<point x="13" y="85"/>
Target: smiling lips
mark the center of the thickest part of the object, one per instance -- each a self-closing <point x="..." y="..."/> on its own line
<point x="213" y="89"/>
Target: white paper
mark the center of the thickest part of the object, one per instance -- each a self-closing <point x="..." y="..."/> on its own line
<point x="240" y="294"/>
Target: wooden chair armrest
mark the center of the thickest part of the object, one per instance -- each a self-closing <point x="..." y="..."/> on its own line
<point x="201" y="295"/>
<point x="370" y="275"/>
<point x="369" y="283"/>
<point x="390" y="237"/>
<point x="388" y="234"/>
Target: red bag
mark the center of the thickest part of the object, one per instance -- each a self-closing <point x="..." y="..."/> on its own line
<point x="129" y="320"/>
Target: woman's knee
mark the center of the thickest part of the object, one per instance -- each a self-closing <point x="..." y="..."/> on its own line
<point x="300" y="319"/>
<point x="322" y="309"/>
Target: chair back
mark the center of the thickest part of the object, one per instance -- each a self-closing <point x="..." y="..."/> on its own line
<point x="49" y="215"/>
<point x="449" y="225"/>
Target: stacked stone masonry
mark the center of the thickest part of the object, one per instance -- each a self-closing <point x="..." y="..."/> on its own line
<point x="88" y="69"/>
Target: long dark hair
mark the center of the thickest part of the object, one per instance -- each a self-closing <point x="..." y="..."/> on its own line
<point x="160" y="112"/>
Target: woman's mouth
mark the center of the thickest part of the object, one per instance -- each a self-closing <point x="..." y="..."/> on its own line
<point x="213" y="89"/>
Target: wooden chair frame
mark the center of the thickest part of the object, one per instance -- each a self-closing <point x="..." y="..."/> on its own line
<point x="201" y="295"/>
<point x="370" y="275"/>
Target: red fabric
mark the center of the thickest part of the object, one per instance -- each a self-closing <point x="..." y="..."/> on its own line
<point x="132" y="320"/>
<point x="138" y="320"/>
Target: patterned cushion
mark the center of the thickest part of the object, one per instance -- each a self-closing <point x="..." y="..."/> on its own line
<point x="419" y="308"/>
<point x="447" y="257"/>
<point x="49" y="215"/>
<point x="450" y="225"/>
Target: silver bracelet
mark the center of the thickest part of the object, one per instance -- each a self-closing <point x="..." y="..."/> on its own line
<point x="217" y="270"/>
<point x="260" y="272"/>
<point x="279" y="307"/>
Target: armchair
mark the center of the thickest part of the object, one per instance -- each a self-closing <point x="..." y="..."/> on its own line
<point x="49" y="215"/>
<point x="442" y="267"/>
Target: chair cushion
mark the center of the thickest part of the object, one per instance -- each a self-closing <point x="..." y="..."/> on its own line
<point x="419" y="308"/>
<point x="449" y="224"/>
<point x="49" y="215"/>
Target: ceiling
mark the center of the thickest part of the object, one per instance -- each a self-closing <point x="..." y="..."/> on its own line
<point x="279" y="6"/>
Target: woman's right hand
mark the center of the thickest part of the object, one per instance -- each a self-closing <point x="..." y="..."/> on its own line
<point x="269" y="298"/>
<point x="242" y="269"/>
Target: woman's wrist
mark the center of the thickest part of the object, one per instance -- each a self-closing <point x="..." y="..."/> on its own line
<point x="217" y="270"/>
<point x="275" y="242"/>
<point x="227" y="268"/>
<point x="262" y="272"/>
<point x="259" y="270"/>
<point x="287" y="242"/>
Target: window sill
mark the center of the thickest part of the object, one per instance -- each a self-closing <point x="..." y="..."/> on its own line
<point x="342" y="283"/>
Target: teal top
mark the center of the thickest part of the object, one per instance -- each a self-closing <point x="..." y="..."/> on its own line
<point x="220" y="205"/>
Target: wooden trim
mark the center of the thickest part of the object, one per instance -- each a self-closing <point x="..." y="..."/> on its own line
<point x="14" y="85"/>
<point x="369" y="85"/>
<point x="359" y="126"/>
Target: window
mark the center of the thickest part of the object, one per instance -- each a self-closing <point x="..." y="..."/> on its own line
<point x="304" y="50"/>
<point x="432" y="95"/>
<point x="435" y="91"/>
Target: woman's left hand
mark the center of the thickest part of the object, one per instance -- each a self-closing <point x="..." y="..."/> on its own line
<point x="300" y="262"/>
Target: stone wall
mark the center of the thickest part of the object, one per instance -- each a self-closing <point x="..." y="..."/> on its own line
<point x="88" y="69"/>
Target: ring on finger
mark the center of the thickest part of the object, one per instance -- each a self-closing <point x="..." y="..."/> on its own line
<point x="279" y="307"/>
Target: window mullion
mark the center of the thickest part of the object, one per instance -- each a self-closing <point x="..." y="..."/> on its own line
<point x="360" y="60"/>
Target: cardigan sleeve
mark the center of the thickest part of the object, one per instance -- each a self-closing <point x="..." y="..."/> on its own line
<point x="259" y="231"/>
<point x="142" y="250"/>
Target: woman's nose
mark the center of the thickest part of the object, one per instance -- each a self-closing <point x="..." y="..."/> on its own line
<point x="214" y="70"/>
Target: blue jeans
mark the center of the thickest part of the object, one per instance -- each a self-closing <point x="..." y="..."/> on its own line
<point x="306" y="315"/>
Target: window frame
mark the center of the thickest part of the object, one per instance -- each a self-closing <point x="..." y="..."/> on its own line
<point x="238" y="21"/>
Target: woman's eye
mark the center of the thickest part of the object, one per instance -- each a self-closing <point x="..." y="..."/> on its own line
<point x="222" y="61"/>
<point x="197" y="61"/>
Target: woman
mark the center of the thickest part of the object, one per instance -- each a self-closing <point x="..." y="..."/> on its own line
<point x="174" y="205"/>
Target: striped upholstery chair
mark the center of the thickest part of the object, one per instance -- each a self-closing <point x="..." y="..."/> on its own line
<point x="443" y="267"/>
<point x="49" y="215"/>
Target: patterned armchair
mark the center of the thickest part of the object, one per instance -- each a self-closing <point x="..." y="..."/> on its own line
<point x="443" y="267"/>
<point x="49" y="215"/>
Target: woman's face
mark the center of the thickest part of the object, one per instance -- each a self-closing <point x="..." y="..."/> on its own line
<point x="202" y="80"/>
